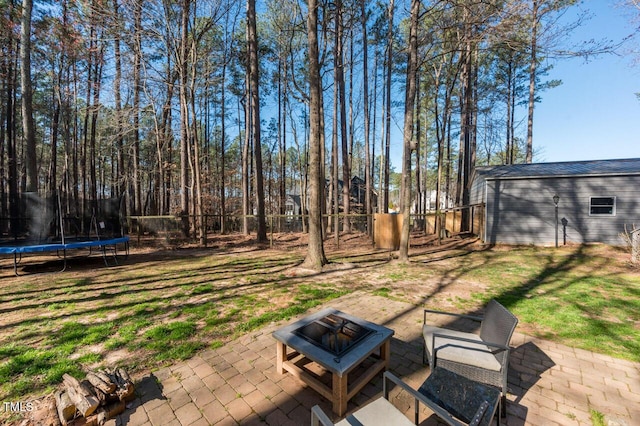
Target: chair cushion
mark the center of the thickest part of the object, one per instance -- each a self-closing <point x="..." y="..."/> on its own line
<point x="456" y="351"/>
<point x="379" y="412"/>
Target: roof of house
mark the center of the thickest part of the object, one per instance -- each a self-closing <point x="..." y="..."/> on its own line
<point x="630" y="166"/>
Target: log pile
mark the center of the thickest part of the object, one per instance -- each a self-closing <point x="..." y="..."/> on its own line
<point x="101" y="396"/>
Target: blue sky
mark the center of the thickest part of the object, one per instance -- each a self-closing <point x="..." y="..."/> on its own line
<point x="595" y="113"/>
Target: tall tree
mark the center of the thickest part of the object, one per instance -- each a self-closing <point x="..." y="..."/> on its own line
<point x="182" y="65"/>
<point x="119" y="179"/>
<point x="254" y="79"/>
<point x="365" y="93"/>
<point x="28" y="125"/>
<point x="8" y="105"/>
<point x="137" y="89"/>
<point x="532" y="79"/>
<point x="387" y="146"/>
<point x="409" y="106"/>
<point x="333" y="185"/>
<point x="226" y="56"/>
<point x="315" y="258"/>
<point x="346" y="173"/>
<point x="468" y="107"/>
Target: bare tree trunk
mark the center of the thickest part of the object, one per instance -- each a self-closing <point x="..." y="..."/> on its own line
<point x="323" y="160"/>
<point x="441" y="125"/>
<point x="198" y="180"/>
<point x="55" y="126"/>
<point x="509" y="127"/>
<point x="137" y="66"/>
<point x="334" y="187"/>
<point x="346" y="179"/>
<point x="388" y="108"/>
<point x="448" y="166"/>
<point x="255" y="117"/>
<point x="119" y="179"/>
<point x="246" y="203"/>
<point x="300" y="166"/>
<point x="197" y="173"/>
<point x="438" y="219"/>
<point x="4" y="85"/>
<point x="367" y="158"/>
<point x="374" y="126"/>
<point x="223" y="141"/>
<point x="409" y="106"/>
<point x="315" y="258"/>
<point x="532" y="81"/>
<point x="93" y="184"/>
<point x="184" y="122"/>
<point x="12" y="161"/>
<point x="282" y="137"/>
<point x="418" y="132"/>
<point x="165" y="141"/>
<point x="28" y="125"/>
<point x="84" y="152"/>
<point x="5" y="114"/>
<point x="74" y="143"/>
<point x="467" y="117"/>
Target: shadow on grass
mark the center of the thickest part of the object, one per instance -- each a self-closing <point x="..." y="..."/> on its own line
<point x="222" y="292"/>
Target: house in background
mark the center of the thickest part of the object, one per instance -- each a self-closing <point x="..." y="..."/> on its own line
<point x="446" y="201"/>
<point x="595" y="201"/>
<point x="292" y="205"/>
<point x="357" y="192"/>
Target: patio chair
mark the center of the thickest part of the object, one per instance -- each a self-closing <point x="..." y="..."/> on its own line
<point x="381" y="411"/>
<point x="482" y="357"/>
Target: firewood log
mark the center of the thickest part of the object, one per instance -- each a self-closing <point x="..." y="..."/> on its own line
<point x="105" y="377"/>
<point x="98" y="381"/>
<point x="66" y="409"/>
<point x="124" y="375"/>
<point x="103" y="398"/>
<point x="125" y="385"/>
<point x="110" y="411"/>
<point x="80" y="394"/>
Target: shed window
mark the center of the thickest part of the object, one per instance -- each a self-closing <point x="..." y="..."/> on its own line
<point x="602" y="206"/>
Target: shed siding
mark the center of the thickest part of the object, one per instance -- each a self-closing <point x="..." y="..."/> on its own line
<point x="521" y="211"/>
<point x="476" y="195"/>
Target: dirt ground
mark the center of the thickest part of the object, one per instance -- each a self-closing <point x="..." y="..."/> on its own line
<point x="356" y="247"/>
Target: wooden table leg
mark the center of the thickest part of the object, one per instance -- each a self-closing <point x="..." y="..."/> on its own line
<point x="281" y="356"/>
<point x="385" y="353"/>
<point x="339" y="390"/>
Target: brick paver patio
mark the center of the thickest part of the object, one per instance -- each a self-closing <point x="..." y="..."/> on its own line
<point x="550" y="384"/>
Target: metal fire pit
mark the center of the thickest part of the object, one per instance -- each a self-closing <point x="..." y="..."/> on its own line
<point x="333" y="333"/>
<point x="351" y="349"/>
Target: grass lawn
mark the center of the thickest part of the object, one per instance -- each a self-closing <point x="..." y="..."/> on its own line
<point x="159" y="307"/>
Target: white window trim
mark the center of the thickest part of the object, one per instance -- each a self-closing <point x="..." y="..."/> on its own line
<point x="615" y="202"/>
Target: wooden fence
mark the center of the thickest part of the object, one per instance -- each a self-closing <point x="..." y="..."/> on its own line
<point x="172" y="227"/>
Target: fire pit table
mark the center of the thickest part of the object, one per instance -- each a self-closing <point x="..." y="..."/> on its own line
<point x="347" y="349"/>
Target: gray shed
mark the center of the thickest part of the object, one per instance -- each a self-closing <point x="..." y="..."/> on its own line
<point x="595" y="201"/>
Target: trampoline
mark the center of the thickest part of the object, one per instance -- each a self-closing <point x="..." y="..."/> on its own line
<point x="108" y="249"/>
<point x="44" y="229"/>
